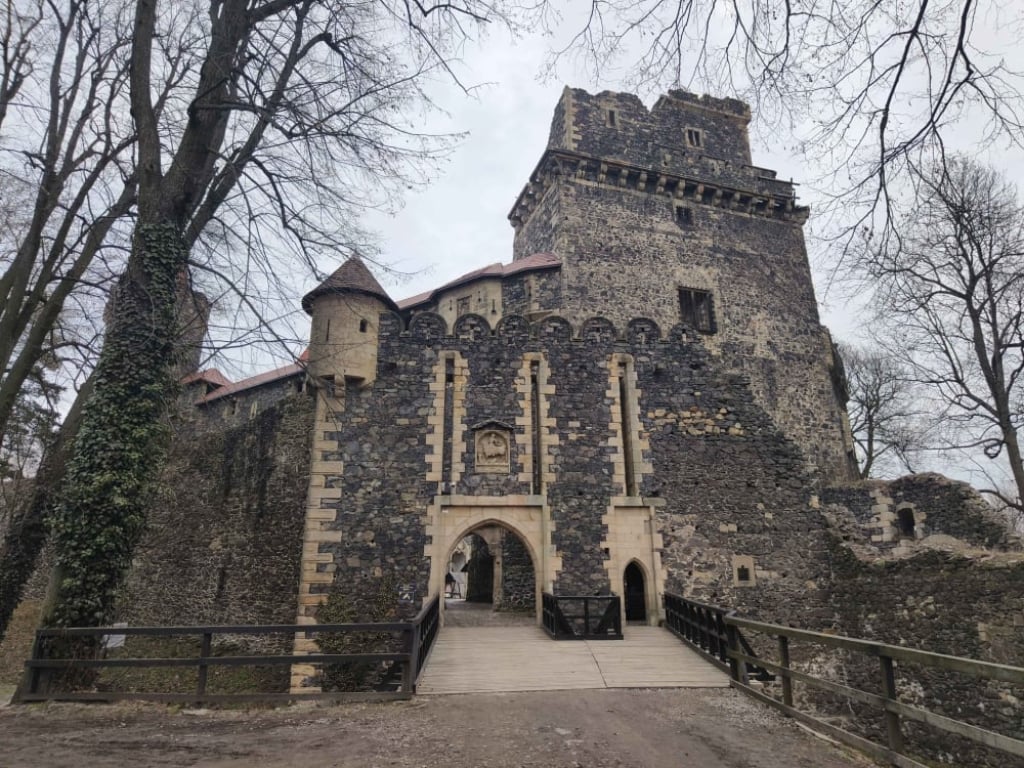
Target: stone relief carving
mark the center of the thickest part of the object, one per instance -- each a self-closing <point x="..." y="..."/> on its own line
<point x="492" y="451"/>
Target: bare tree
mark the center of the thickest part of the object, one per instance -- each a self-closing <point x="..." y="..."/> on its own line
<point x="287" y="94"/>
<point x="887" y="429"/>
<point x="867" y="84"/>
<point x="67" y="177"/>
<point x="951" y="290"/>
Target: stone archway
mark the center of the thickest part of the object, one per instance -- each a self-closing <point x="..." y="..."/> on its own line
<point x="454" y="518"/>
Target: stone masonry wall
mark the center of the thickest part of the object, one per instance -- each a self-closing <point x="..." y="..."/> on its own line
<point x="629" y="243"/>
<point x="625" y="256"/>
<point x="518" y="585"/>
<point x="224" y="532"/>
<point x="728" y="484"/>
<point x="963" y="604"/>
<point x="533" y="292"/>
<point x="657" y="138"/>
<point x="233" y="410"/>
<point x="937" y="505"/>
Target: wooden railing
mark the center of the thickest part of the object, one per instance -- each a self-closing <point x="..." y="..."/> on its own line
<point x="719" y="635"/>
<point x="704" y="627"/>
<point x="412" y="641"/>
<point x="892" y="711"/>
<point x="582" y="617"/>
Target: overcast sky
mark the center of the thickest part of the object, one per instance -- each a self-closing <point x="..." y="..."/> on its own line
<point x="458" y="223"/>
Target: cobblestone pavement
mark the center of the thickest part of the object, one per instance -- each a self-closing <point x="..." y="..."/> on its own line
<point x="557" y="729"/>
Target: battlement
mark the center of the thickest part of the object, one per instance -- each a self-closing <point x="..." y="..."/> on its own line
<point x="685" y="147"/>
<point x="678" y="130"/>
<point x="431" y="326"/>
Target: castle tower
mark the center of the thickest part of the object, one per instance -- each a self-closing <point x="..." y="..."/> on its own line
<point x="345" y="309"/>
<point x="659" y="213"/>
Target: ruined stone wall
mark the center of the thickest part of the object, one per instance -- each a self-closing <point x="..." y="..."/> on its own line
<point x="224" y="530"/>
<point x="963" y="604"/>
<point x="933" y="504"/>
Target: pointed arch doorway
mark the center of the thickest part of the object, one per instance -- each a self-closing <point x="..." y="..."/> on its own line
<point x="635" y="593"/>
<point x="513" y="529"/>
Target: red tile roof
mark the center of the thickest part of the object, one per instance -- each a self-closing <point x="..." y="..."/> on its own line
<point x="350" y="277"/>
<point x="210" y="376"/>
<point x="496" y="270"/>
<point x="258" y="380"/>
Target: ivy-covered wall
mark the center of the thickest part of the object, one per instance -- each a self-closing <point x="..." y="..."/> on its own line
<point x="224" y="533"/>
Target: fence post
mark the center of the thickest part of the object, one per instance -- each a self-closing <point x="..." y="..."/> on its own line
<point x="732" y="637"/>
<point x="892" y="719"/>
<point x="412" y="657"/>
<point x="787" y="682"/>
<point x="204" y="653"/>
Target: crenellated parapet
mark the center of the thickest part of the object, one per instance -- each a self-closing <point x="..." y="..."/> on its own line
<point x="517" y="329"/>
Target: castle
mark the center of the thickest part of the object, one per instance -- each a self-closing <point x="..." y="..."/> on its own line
<point x="642" y="400"/>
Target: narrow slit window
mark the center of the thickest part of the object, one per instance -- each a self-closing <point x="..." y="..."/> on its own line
<point x="625" y="418"/>
<point x="612" y="119"/>
<point x="696" y="310"/>
<point x="448" y="426"/>
<point x="536" y="448"/>
<point x="362" y="326"/>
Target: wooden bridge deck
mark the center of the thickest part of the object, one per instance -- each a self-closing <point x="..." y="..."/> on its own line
<point x="494" y="659"/>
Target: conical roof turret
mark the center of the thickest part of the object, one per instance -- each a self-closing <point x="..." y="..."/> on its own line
<point x="350" y="277"/>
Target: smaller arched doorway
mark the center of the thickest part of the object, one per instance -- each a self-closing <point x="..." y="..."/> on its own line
<point x="502" y="587"/>
<point x="635" y="593"/>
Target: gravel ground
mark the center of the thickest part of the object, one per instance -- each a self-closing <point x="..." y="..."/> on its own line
<point x="689" y="728"/>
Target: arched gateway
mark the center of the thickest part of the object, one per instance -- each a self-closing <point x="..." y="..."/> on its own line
<point x="516" y="531"/>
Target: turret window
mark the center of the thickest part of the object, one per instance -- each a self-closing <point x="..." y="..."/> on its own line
<point x="694" y="138"/>
<point x="696" y="309"/>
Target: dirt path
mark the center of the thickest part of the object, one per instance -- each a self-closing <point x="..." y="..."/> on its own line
<point x="556" y="729"/>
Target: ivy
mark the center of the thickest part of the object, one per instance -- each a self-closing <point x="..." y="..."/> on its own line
<point x="122" y="440"/>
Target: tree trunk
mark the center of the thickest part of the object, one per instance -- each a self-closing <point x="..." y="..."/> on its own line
<point x="26" y="536"/>
<point x="122" y="439"/>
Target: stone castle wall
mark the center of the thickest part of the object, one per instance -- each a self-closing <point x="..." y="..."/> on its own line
<point x="518" y="583"/>
<point x="899" y="512"/>
<point x="725" y="486"/>
<point x="224" y="531"/>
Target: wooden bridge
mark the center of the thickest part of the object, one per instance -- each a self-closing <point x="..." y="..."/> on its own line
<point x="492" y="659"/>
<point x="414" y="656"/>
